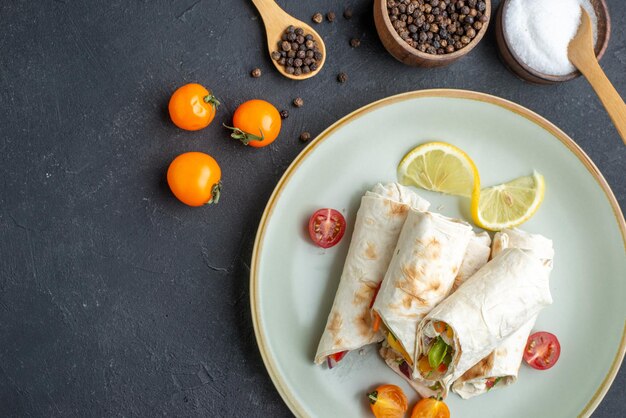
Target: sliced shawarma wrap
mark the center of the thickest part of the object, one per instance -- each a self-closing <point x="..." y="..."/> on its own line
<point x="377" y="226"/>
<point x="476" y="256"/>
<point x="488" y="308"/>
<point x="421" y="273"/>
<point x="501" y="366"/>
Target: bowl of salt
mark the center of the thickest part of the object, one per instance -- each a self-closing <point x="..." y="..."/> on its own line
<point x="533" y="36"/>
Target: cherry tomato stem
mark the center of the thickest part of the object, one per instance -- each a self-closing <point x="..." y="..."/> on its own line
<point x="244" y="137"/>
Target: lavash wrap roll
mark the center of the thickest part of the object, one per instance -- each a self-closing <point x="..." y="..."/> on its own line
<point x="488" y="308"/>
<point x="377" y="226"/>
<point x="476" y="256"/>
<point x="504" y="362"/>
<point x="421" y="273"/>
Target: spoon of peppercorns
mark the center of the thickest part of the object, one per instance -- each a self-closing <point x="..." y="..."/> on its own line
<point x="297" y="51"/>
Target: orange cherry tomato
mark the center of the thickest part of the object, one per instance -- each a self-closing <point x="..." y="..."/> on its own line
<point x="430" y="408"/>
<point x="388" y="401"/>
<point x="194" y="178"/>
<point x="256" y="123"/>
<point x="192" y="107"/>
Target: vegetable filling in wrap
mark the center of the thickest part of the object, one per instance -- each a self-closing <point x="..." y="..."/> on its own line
<point x="425" y="263"/>
<point x="378" y="223"/>
<point x="501" y="366"/>
<point x="489" y="307"/>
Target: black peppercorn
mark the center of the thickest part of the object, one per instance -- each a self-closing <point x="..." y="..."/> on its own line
<point x="286" y="46"/>
<point x="305" y="136"/>
<point x="275" y="55"/>
<point x="330" y="16"/>
<point x="256" y="73"/>
<point x="317" y="18"/>
<point x="347" y="13"/>
<point x="356" y="42"/>
<point x="298" y="102"/>
<point x="299" y="31"/>
<point x="284" y="114"/>
<point x="342" y="77"/>
<point x="290" y="70"/>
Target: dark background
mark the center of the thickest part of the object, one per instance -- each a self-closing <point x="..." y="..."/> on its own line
<point x="116" y="299"/>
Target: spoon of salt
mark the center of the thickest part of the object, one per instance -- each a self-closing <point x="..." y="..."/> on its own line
<point x="276" y="20"/>
<point x="581" y="54"/>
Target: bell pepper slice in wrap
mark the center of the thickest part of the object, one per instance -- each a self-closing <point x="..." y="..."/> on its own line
<point x="489" y="307"/>
<point x="422" y="271"/>
<point x="501" y="366"/>
<point x="377" y="226"/>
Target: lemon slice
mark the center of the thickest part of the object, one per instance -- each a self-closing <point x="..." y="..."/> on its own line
<point x="509" y="204"/>
<point x="440" y="167"/>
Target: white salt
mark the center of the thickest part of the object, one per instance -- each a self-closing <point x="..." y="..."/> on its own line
<point x="539" y="31"/>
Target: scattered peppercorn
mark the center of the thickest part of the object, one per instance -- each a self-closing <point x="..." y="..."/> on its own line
<point x="317" y="18"/>
<point x="347" y="13"/>
<point x="330" y="16"/>
<point x="305" y="136"/>
<point x="284" y="114"/>
<point x="297" y="52"/>
<point x="437" y="26"/>
<point x="355" y="42"/>
<point x="298" y="102"/>
<point x="256" y="73"/>
<point x="342" y="77"/>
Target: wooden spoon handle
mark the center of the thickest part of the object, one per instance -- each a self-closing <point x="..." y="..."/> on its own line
<point x="271" y="13"/>
<point x="609" y="97"/>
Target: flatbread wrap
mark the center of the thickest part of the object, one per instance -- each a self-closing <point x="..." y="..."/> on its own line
<point x="501" y="366"/>
<point x="488" y="308"/>
<point x="422" y="271"/>
<point x="377" y="226"/>
<point x="476" y="255"/>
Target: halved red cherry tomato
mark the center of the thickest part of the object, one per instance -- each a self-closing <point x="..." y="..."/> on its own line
<point x="388" y="401"/>
<point x="192" y="107"/>
<point x="256" y="123"/>
<point x="542" y="350"/>
<point x="326" y="227"/>
<point x="430" y="408"/>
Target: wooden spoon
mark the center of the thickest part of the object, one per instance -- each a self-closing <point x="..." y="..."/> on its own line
<point x="276" y="20"/>
<point x="581" y="54"/>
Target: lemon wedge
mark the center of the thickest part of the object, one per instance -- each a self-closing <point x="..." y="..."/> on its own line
<point x="509" y="204"/>
<point x="440" y="167"/>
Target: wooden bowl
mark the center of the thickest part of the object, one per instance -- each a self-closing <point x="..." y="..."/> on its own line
<point x="406" y="54"/>
<point x="526" y="73"/>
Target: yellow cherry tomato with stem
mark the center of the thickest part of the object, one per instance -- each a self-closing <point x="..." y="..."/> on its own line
<point x="192" y="107"/>
<point x="256" y="123"/>
<point x="195" y="178"/>
<point x="430" y="408"/>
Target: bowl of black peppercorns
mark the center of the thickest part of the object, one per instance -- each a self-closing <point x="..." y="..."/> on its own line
<point x="431" y="33"/>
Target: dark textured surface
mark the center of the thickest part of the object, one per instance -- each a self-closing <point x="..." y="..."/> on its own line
<point x="115" y="299"/>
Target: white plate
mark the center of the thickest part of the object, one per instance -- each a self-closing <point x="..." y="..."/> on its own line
<point x="293" y="282"/>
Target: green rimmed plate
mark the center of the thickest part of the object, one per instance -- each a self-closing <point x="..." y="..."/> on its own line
<point x="293" y="283"/>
